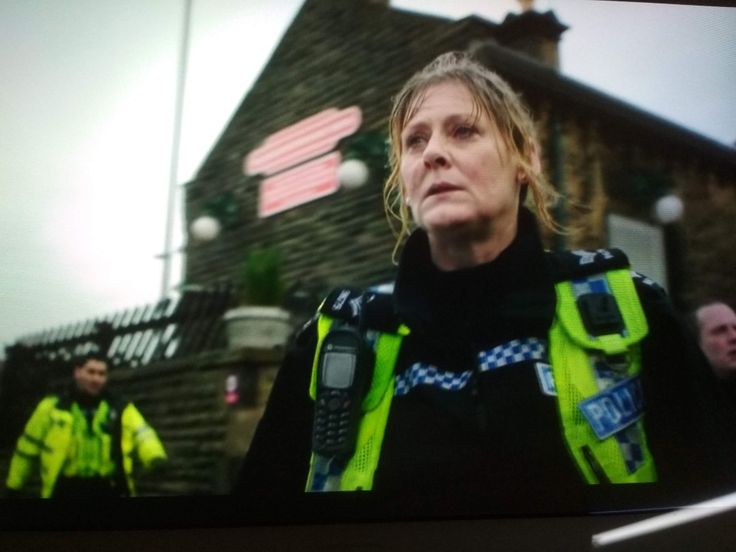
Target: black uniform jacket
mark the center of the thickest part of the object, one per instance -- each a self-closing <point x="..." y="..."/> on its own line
<point x="495" y="445"/>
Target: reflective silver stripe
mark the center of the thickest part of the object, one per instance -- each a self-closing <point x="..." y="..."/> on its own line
<point x="141" y="431"/>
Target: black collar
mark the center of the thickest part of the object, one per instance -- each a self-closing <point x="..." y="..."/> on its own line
<point x="512" y="294"/>
<point x="84" y="400"/>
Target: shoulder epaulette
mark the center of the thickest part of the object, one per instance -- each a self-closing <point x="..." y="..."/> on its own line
<point x="578" y="263"/>
<point x="647" y="282"/>
<point x="344" y="304"/>
<point x="366" y="308"/>
<point x="116" y="402"/>
<point x="63" y="400"/>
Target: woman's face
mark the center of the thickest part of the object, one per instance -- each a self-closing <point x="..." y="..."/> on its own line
<point x="455" y="168"/>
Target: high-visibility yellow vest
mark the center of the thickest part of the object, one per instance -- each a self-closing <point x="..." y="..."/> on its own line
<point x="90" y="449"/>
<point x="48" y="438"/>
<point x="573" y="354"/>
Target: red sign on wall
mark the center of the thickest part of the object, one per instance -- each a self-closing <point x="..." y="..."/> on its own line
<point x="304" y="140"/>
<point x="292" y="146"/>
<point x="301" y="184"/>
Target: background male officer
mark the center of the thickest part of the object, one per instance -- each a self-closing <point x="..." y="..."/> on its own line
<point x="717" y="335"/>
<point x="85" y="440"/>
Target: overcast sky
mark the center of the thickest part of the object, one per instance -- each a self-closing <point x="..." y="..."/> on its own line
<point x="87" y="112"/>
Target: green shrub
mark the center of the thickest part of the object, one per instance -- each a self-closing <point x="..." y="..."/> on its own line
<point x="262" y="280"/>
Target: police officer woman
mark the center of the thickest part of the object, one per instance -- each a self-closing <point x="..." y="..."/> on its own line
<point x="501" y="378"/>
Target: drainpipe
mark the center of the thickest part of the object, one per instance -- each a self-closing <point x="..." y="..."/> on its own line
<point x="557" y="175"/>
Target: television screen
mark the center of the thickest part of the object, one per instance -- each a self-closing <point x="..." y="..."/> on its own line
<point x="177" y="175"/>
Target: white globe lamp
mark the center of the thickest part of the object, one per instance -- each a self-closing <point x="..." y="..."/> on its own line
<point x="352" y="173"/>
<point x="205" y="228"/>
<point x="668" y="209"/>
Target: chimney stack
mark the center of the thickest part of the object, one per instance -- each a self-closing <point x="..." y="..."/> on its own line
<point x="532" y="33"/>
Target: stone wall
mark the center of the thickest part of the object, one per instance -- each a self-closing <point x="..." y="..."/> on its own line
<point x="709" y="225"/>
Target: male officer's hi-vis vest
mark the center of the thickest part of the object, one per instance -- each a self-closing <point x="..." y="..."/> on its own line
<point x="48" y="437"/>
<point x="595" y="360"/>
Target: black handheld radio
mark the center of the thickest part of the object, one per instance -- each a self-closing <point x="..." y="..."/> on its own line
<point x="344" y="374"/>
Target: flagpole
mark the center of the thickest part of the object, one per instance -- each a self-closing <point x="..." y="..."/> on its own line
<point x="176" y="140"/>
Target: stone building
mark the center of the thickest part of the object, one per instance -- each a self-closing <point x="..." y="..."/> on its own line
<point x="612" y="161"/>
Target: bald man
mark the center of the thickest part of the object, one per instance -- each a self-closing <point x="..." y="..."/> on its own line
<point x="717" y="336"/>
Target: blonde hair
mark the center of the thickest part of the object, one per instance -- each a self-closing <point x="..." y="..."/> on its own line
<point x="492" y="95"/>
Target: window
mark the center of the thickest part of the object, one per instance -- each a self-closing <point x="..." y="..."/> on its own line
<point x="643" y="243"/>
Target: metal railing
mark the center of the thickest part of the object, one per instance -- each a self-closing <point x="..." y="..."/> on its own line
<point x="171" y="328"/>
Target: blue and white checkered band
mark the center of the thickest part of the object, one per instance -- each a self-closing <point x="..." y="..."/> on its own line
<point x="512" y="352"/>
<point x="421" y="373"/>
<point x="327" y="474"/>
<point x="590" y="284"/>
<point x="605" y="375"/>
<point x="629" y="441"/>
